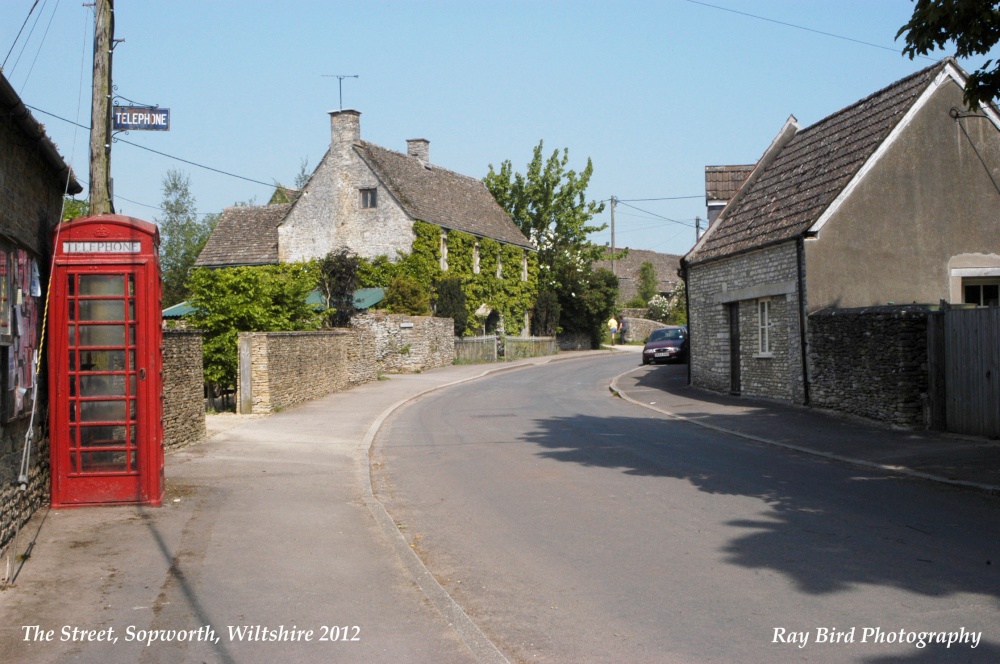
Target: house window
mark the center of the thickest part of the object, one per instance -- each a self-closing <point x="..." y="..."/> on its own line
<point x="500" y="263"/>
<point x="981" y="292"/>
<point x="524" y="266"/>
<point x="444" y="251"/>
<point x="475" y="258"/>
<point x="764" y="324"/>
<point x="369" y="198"/>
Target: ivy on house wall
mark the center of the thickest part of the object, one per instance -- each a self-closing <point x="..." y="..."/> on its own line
<point x="508" y="294"/>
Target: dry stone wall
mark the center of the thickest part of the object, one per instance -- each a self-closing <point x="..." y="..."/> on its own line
<point x="183" y="388"/>
<point x="408" y="344"/>
<point x="871" y="362"/>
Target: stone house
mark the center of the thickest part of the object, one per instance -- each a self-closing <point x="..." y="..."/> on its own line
<point x="33" y="180"/>
<point x="378" y="202"/>
<point x="891" y="200"/>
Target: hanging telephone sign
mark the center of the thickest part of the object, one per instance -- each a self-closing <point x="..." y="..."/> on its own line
<point x="144" y="118"/>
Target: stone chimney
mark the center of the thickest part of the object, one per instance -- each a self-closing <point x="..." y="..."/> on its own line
<point x="419" y="148"/>
<point x="345" y="128"/>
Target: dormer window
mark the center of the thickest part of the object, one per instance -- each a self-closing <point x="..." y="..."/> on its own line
<point x="444" y="251"/>
<point x="369" y="198"/>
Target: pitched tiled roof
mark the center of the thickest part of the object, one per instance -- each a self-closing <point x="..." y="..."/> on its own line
<point x="627" y="270"/>
<point x="721" y="182"/>
<point x="442" y="197"/>
<point x="794" y="188"/>
<point x="244" y="235"/>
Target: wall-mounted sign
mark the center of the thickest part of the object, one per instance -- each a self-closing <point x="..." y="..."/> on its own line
<point x="145" y="118"/>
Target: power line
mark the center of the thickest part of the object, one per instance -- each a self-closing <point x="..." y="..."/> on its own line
<point x="658" y="216"/>
<point x="669" y="198"/>
<point x="800" y="27"/>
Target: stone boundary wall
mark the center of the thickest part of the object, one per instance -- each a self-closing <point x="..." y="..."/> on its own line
<point x="574" y="341"/>
<point x="408" y="344"/>
<point x="635" y="313"/>
<point x="871" y="362"/>
<point x="638" y="329"/>
<point x="183" y="388"/>
<point x="289" y="368"/>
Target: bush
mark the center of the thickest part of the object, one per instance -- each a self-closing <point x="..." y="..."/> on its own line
<point x="406" y="295"/>
<point x="451" y="303"/>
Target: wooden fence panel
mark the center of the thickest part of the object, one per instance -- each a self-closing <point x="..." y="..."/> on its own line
<point x="972" y="371"/>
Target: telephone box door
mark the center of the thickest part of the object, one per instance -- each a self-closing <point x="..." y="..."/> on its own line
<point x="106" y="385"/>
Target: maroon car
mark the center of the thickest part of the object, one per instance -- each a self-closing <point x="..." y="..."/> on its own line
<point x="667" y="344"/>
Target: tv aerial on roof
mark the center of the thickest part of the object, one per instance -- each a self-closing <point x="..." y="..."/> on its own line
<point x="340" y="84"/>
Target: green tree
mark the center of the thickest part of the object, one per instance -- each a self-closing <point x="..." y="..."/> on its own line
<point x="72" y="208"/>
<point x="972" y="25"/>
<point x="260" y="298"/>
<point x="545" y="314"/>
<point x="182" y="235"/>
<point x="338" y="279"/>
<point x="548" y="203"/>
<point x="303" y="175"/>
<point x="592" y="303"/>
<point x="649" y="285"/>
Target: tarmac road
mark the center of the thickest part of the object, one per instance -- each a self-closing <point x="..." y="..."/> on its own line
<point x="572" y="526"/>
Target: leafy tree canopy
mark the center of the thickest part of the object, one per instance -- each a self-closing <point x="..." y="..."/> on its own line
<point x="73" y="208"/>
<point x="972" y="25"/>
<point x="182" y="235"/>
<point x="548" y="203"/>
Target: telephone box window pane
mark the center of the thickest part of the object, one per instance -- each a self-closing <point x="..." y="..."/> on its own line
<point x="131" y="309"/>
<point x="101" y="309"/>
<point x="131" y="335"/>
<point x="72" y="335"/>
<point x="102" y="284"/>
<point x="132" y="459"/>
<point x="131" y="433"/>
<point x="72" y="310"/>
<point x="71" y="284"/>
<point x="102" y="360"/>
<point x="103" y="461"/>
<point x="102" y="386"/>
<point x="101" y="335"/>
<point x="102" y="411"/>
<point x="131" y="409"/>
<point x="72" y="411"/>
<point x="72" y="386"/>
<point x="131" y="385"/>
<point x="131" y="284"/>
<point x="72" y="360"/>
<point x="131" y="360"/>
<point x="102" y="436"/>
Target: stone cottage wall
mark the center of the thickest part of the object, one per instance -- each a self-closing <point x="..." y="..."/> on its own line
<point x="183" y="388"/>
<point x="772" y="273"/>
<point x="408" y="344"/>
<point x="871" y="362"/>
<point x="30" y="204"/>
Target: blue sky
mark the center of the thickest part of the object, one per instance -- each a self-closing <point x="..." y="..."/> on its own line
<point x="652" y="92"/>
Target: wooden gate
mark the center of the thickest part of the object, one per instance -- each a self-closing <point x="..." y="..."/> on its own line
<point x="970" y="342"/>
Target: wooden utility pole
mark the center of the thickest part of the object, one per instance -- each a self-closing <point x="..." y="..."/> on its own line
<point x="100" y="113"/>
<point x="613" y="201"/>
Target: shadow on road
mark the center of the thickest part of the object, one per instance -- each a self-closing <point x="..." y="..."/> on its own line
<point x="829" y="527"/>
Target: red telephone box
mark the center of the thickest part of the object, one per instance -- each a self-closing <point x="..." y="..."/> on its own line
<point x="105" y="378"/>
